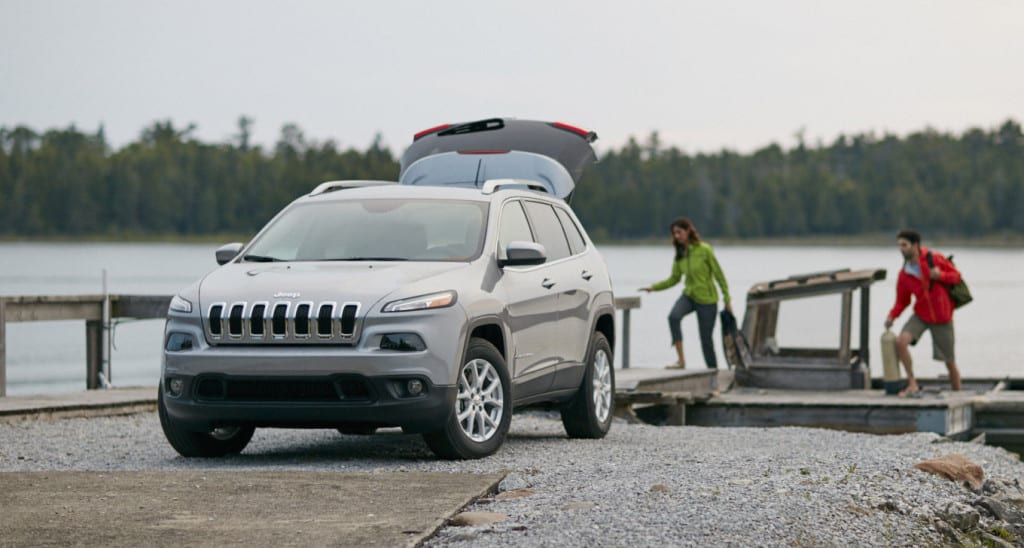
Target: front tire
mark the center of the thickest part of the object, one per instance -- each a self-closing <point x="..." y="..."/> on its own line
<point x="589" y="413"/>
<point x="220" y="441"/>
<point x="483" y="407"/>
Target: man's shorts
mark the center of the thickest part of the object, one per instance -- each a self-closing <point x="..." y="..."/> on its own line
<point x="942" y="337"/>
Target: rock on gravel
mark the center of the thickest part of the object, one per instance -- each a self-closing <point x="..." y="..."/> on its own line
<point x="721" y="486"/>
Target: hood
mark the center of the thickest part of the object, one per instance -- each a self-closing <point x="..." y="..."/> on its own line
<point x="365" y="283"/>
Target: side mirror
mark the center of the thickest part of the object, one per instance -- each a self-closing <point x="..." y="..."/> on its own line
<point x="523" y="254"/>
<point x="227" y="252"/>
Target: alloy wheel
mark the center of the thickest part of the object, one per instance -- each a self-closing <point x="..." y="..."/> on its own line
<point x="602" y="383"/>
<point x="480" y="401"/>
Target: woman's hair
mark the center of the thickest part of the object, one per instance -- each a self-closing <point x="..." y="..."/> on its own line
<point x="692" y="235"/>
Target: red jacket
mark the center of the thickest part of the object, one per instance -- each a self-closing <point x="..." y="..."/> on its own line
<point x="931" y="297"/>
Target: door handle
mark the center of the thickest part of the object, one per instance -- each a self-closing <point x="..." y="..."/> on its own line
<point x="586" y="275"/>
<point x="547" y="283"/>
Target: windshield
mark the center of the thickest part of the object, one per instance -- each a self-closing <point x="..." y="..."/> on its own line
<point x="374" y="230"/>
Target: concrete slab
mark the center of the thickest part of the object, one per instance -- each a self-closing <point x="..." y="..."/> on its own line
<point x="87" y="403"/>
<point x="231" y="508"/>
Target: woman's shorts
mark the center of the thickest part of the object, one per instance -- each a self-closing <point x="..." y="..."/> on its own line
<point x="942" y="337"/>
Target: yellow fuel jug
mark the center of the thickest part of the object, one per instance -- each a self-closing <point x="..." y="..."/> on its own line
<point x="890" y="365"/>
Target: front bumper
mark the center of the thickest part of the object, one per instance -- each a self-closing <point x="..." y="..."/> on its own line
<point x="211" y="400"/>
<point x="316" y="385"/>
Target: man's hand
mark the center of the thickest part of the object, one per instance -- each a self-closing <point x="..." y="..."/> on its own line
<point x="935" y="273"/>
<point x="728" y="306"/>
<point x="645" y="289"/>
<point x="888" y="322"/>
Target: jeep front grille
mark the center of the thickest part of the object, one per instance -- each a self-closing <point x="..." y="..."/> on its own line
<point x="282" y="323"/>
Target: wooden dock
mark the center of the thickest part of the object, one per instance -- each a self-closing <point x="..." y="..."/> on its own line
<point x="83" y="404"/>
<point x="987" y="407"/>
<point x="96" y="310"/>
<point x="946" y="413"/>
<point x="661" y="396"/>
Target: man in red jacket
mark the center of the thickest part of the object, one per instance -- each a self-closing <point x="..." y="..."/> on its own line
<point x="927" y="276"/>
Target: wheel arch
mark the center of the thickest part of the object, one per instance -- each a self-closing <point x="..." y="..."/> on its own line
<point x="490" y="330"/>
<point x="604" y="323"/>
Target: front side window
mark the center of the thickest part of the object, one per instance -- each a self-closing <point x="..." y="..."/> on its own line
<point x="384" y="230"/>
<point x="549" y="230"/>
<point x="513" y="227"/>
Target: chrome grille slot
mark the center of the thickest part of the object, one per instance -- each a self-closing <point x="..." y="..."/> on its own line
<point x="348" y="320"/>
<point x="216" y="324"/>
<point x="325" y="320"/>
<point x="235" y="320"/>
<point x="302" y="320"/>
<point x="279" y="324"/>
<point x="257" y="321"/>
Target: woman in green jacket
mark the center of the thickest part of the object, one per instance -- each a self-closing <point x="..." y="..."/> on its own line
<point x="696" y="261"/>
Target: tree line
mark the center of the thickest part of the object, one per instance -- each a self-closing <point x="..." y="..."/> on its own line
<point x="71" y="183"/>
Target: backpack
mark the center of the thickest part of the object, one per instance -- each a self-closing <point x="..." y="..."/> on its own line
<point x="737" y="351"/>
<point x="958" y="292"/>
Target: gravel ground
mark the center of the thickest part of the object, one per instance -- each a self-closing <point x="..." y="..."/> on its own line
<point x="642" y="485"/>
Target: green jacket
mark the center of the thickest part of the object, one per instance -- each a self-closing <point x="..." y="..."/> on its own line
<point x="701" y="270"/>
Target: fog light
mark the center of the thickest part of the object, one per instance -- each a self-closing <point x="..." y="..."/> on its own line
<point x="415" y="387"/>
<point x="175" y="386"/>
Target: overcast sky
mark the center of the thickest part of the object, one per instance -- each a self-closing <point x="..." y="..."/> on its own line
<point x="705" y="75"/>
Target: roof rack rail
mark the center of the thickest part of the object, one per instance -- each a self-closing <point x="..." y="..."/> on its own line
<point x="331" y="186"/>
<point x="491" y="186"/>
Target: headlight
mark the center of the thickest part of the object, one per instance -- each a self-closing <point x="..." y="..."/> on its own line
<point x="180" y="305"/>
<point x="434" y="300"/>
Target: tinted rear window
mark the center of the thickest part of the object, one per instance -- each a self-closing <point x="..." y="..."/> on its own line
<point x="576" y="242"/>
<point x="549" y="230"/>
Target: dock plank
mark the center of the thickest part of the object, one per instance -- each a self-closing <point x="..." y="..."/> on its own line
<point x="89" y="403"/>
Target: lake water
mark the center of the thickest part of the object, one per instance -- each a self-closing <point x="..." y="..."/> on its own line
<point x="49" y="357"/>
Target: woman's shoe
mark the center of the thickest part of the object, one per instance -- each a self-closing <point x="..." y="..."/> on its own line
<point x="908" y="393"/>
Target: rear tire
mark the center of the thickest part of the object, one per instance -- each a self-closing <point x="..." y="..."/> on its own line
<point x="483" y="406"/>
<point x="221" y="441"/>
<point x="589" y="413"/>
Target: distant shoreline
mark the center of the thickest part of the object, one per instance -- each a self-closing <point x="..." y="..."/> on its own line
<point x="858" y="240"/>
<point x="1001" y="241"/>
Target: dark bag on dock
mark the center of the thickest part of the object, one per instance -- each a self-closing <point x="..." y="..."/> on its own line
<point x="737" y="351"/>
<point x="958" y="292"/>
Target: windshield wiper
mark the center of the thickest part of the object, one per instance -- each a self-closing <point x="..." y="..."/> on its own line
<point x="369" y="259"/>
<point x="261" y="259"/>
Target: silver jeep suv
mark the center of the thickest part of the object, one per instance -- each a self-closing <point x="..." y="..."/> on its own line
<point x="438" y="304"/>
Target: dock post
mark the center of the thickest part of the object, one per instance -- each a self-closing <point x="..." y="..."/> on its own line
<point x="865" y="317"/>
<point x="105" y="334"/>
<point x="845" y="328"/>
<point x="625" y="338"/>
<point x="93" y="353"/>
<point x="3" y="348"/>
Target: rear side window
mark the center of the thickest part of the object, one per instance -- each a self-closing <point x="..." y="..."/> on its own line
<point x="514" y="227"/>
<point x="549" y="230"/>
<point x="576" y="242"/>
